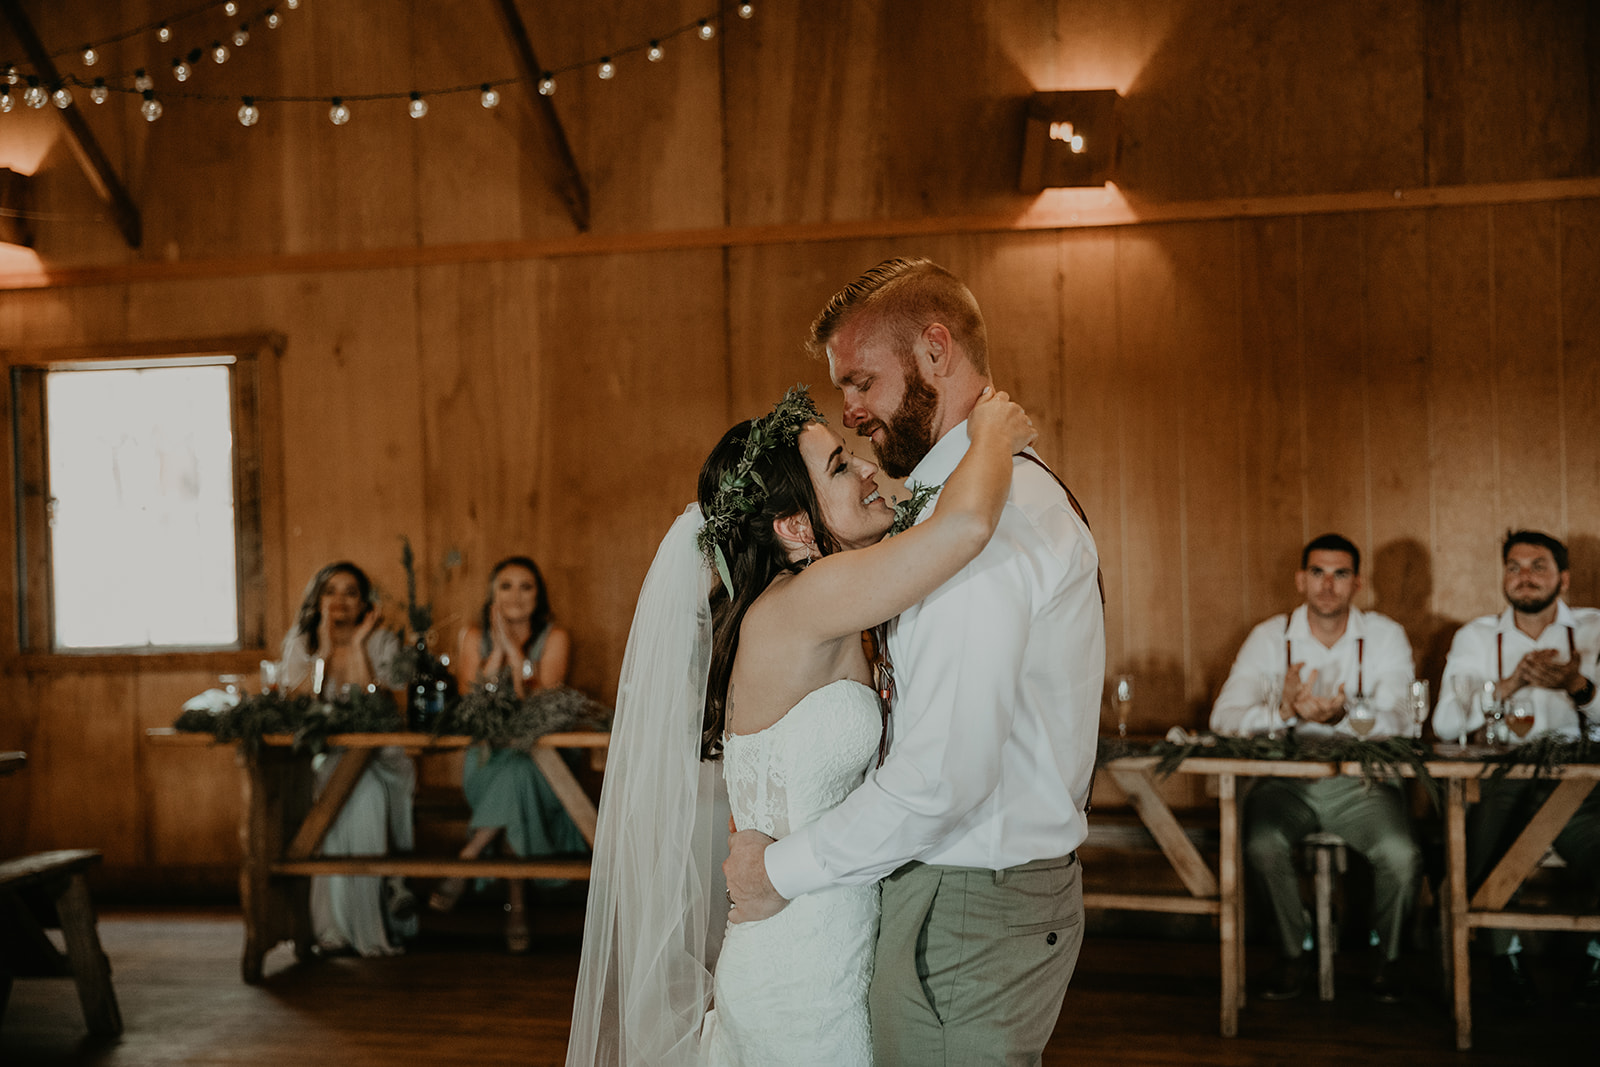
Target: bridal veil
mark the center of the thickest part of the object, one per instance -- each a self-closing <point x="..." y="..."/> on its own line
<point x="644" y="983"/>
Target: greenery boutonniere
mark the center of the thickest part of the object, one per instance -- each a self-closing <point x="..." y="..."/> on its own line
<point x="907" y="510"/>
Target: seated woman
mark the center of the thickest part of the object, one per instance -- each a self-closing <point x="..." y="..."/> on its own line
<point x="514" y="644"/>
<point x="338" y="628"/>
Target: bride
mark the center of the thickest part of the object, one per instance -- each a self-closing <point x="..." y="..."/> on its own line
<point x="747" y="645"/>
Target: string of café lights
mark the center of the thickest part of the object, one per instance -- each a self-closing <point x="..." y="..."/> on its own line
<point x="186" y="65"/>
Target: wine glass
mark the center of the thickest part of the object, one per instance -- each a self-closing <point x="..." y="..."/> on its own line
<point x="269" y="676"/>
<point x="1419" y="703"/>
<point x="1274" y="702"/>
<point x="1361" y="714"/>
<point x="1494" y="713"/>
<point x="1519" y="717"/>
<point x="1466" y="693"/>
<point x="1124" y="698"/>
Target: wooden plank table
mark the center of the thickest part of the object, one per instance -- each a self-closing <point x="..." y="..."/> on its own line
<point x="281" y="827"/>
<point x="1221" y="893"/>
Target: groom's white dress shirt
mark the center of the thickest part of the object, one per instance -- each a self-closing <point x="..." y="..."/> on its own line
<point x="992" y="738"/>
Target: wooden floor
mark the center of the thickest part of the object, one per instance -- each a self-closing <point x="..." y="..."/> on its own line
<point x="457" y="998"/>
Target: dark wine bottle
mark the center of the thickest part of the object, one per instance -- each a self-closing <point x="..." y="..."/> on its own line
<point x="432" y="687"/>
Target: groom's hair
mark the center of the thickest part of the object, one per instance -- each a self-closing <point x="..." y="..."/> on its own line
<point x="905" y="296"/>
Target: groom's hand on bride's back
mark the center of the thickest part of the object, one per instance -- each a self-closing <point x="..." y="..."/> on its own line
<point x="749" y="891"/>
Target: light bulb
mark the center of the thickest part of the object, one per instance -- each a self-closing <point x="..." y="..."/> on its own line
<point x="707" y="31"/>
<point x="655" y="54"/>
<point x="418" y="106"/>
<point x="163" y="34"/>
<point x="90" y="56"/>
<point x="230" y="9"/>
<point x="747" y="10"/>
<point x="249" y="114"/>
<point x="219" y="52"/>
<point x="34" y="95"/>
<point x="5" y="100"/>
<point x="151" y="108"/>
<point x="547" y="84"/>
<point x="338" y="114"/>
<point x="608" y="69"/>
<point x="99" y="94"/>
<point x="241" y="35"/>
<point x="273" y="18"/>
<point x="490" y="97"/>
<point x="1077" y="142"/>
<point x="62" y="97"/>
<point x="12" y="77"/>
<point x="180" y="70"/>
<point x="142" y="81"/>
<point x="291" y="4"/>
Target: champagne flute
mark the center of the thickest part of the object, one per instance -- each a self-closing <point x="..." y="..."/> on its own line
<point x="1124" y="698"/>
<point x="1274" y="701"/>
<point x="1466" y="692"/>
<point x="1494" y="713"/>
<point x="1361" y="715"/>
<point x="1419" y="703"/>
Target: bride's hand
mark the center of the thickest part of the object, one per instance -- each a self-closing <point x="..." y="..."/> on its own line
<point x="995" y="414"/>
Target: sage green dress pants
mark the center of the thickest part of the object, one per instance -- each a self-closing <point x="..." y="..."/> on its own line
<point x="1371" y="818"/>
<point x="972" y="964"/>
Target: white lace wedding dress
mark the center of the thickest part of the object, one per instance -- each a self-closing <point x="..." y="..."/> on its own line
<point x="792" y="989"/>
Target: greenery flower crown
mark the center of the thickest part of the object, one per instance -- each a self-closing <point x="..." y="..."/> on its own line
<point x="741" y="492"/>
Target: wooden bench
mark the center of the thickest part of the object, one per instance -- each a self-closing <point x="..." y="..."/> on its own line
<point x="27" y="952"/>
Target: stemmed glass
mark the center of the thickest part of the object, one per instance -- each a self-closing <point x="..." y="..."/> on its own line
<point x="1274" y="701"/>
<point x="1519" y="716"/>
<point x="1466" y="689"/>
<point x="1494" y="711"/>
<point x="1418" y="702"/>
<point x="1124" y="698"/>
<point x="1361" y="715"/>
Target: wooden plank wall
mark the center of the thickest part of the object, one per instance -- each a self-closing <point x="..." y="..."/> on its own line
<point x="1216" y="391"/>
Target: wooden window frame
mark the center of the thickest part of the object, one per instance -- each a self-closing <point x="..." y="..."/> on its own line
<point x="26" y="627"/>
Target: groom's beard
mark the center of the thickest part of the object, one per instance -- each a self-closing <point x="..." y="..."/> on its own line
<point x="908" y="435"/>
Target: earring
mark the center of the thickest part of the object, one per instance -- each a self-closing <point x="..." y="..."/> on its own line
<point x="811" y="553"/>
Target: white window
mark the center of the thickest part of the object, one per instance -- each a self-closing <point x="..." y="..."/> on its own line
<point x="138" y="498"/>
<point x="141" y="507"/>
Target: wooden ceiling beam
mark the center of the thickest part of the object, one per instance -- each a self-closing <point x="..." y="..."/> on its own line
<point x="569" y="182"/>
<point x="90" y="155"/>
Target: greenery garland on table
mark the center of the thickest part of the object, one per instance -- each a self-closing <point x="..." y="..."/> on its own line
<point x="1546" y="753"/>
<point x="1379" y="760"/>
<point x="494" y="713"/>
<point x="487" y="713"/>
<point x="310" y="719"/>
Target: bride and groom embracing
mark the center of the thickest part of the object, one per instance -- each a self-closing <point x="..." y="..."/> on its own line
<point x="746" y="664"/>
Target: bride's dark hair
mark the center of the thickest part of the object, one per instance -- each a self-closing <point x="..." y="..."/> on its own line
<point x="753" y="553"/>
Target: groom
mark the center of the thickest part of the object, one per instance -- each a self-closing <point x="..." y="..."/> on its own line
<point x="972" y="820"/>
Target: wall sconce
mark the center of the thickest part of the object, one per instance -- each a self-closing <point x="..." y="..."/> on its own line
<point x="1070" y="139"/>
<point x="16" y="206"/>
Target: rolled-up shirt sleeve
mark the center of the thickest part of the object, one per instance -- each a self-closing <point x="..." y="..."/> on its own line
<point x="959" y="672"/>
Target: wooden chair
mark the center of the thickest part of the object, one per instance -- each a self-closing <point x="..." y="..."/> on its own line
<point x="26" y="951"/>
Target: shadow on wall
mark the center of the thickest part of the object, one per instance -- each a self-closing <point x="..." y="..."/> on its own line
<point x="1583" y="551"/>
<point x="1401" y="579"/>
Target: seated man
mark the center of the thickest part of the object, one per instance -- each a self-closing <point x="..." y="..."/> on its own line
<point x="1322" y="655"/>
<point x="1541" y="653"/>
